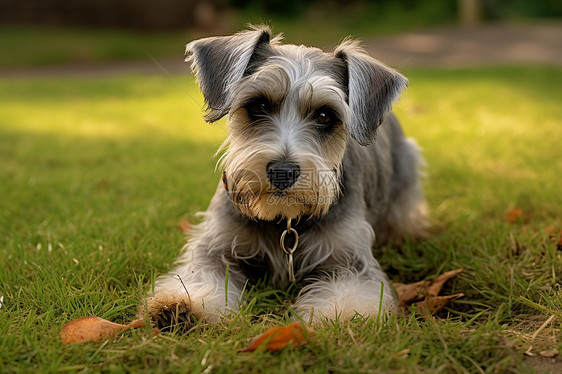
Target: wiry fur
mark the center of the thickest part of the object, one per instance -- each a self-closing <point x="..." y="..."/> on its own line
<point x="351" y="191"/>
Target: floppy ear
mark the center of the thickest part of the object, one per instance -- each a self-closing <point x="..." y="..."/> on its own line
<point x="218" y="62"/>
<point x="372" y="88"/>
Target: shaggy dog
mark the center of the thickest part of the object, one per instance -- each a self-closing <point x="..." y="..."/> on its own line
<point x="316" y="172"/>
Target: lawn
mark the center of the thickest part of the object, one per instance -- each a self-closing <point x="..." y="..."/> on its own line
<point x="35" y="46"/>
<point x="96" y="174"/>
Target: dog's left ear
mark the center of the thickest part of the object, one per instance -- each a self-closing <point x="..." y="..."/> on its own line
<point x="218" y="62"/>
<point x="372" y="88"/>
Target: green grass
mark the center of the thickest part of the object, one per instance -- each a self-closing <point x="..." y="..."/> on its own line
<point x="36" y="46"/>
<point x="95" y="175"/>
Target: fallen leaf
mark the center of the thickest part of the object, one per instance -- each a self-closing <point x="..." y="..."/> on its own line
<point x="434" y="304"/>
<point x="550" y="353"/>
<point x="549" y="229"/>
<point x="94" y="329"/>
<point x="513" y="215"/>
<point x="425" y="294"/>
<point x="277" y="338"/>
<point x="184" y="226"/>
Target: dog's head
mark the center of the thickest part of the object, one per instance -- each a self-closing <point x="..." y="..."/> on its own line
<point x="291" y="110"/>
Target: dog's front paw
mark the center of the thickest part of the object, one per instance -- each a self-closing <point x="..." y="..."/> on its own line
<point x="167" y="312"/>
<point x="345" y="298"/>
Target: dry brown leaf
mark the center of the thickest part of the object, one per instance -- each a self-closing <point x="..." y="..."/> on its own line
<point x="184" y="226"/>
<point x="550" y="353"/>
<point x="277" y="338"/>
<point x="93" y="329"/>
<point x="425" y="294"/>
<point x="514" y="215"/>
<point x="434" y="304"/>
<point x="518" y="215"/>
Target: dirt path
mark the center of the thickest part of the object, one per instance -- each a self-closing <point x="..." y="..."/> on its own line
<point x="489" y="44"/>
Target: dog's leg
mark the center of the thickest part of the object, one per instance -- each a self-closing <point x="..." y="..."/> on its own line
<point x="193" y="291"/>
<point x="347" y="280"/>
<point x="345" y="294"/>
<point x="200" y="287"/>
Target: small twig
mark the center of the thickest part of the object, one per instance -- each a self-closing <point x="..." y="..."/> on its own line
<point x="529" y="351"/>
<point x="546" y="323"/>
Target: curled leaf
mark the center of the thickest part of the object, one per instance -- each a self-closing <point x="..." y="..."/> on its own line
<point x="425" y="294"/>
<point x="277" y="338"/>
<point x="93" y="329"/>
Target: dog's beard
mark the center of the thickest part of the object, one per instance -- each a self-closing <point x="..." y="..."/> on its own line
<point x="313" y="193"/>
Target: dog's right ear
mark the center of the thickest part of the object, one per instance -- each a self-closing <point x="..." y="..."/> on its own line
<point x="219" y="62"/>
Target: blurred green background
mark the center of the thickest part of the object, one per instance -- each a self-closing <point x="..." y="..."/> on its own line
<point x="89" y="31"/>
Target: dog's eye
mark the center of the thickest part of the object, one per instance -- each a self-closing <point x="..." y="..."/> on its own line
<point x="325" y="119"/>
<point x="257" y="108"/>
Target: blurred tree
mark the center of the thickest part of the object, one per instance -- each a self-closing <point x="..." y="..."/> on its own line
<point x="143" y="14"/>
<point x="281" y="8"/>
<point x="501" y="9"/>
<point x="470" y="12"/>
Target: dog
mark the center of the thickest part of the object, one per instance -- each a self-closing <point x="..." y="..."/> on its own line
<point x="317" y="171"/>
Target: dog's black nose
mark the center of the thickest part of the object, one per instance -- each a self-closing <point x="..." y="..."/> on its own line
<point x="282" y="174"/>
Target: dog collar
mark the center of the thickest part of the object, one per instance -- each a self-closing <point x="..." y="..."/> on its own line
<point x="290" y="250"/>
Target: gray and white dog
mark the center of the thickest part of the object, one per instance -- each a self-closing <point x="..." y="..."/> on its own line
<point x="306" y="190"/>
